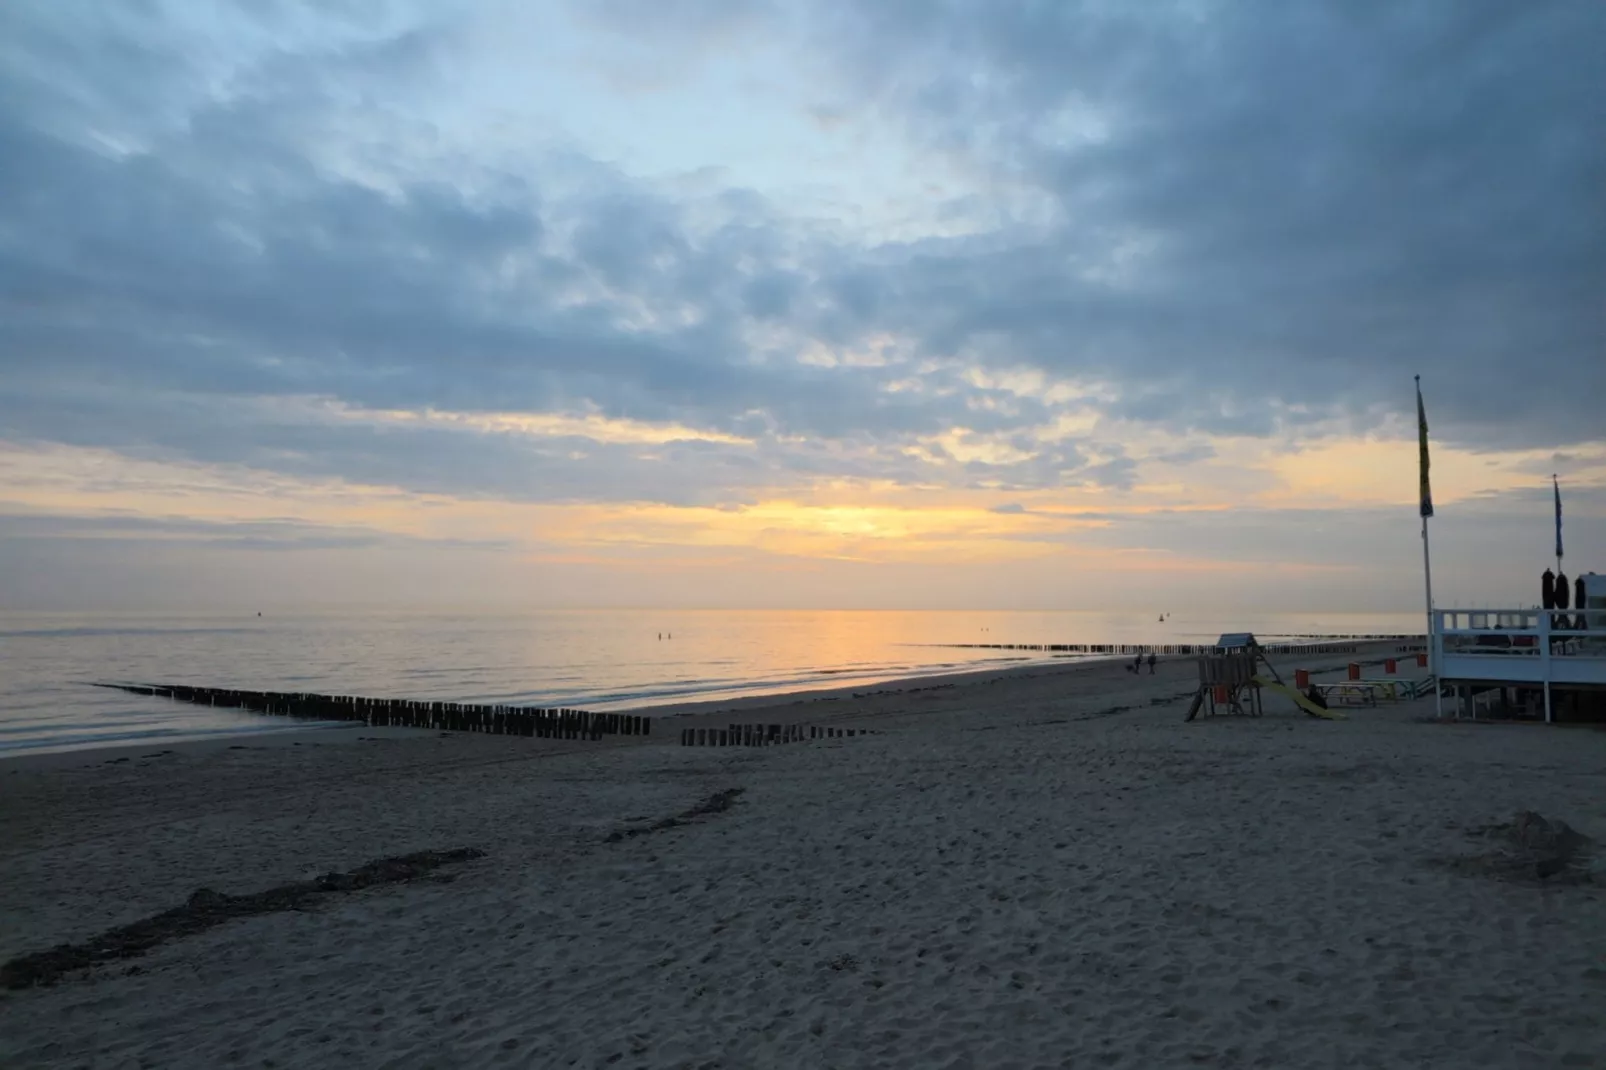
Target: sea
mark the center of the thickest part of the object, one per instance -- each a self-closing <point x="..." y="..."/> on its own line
<point x="589" y="659"/>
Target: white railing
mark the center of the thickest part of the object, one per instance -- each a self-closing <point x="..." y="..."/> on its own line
<point x="1520" y="646"/>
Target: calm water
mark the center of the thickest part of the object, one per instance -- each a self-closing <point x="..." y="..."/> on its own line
<point x="593" y="659"/>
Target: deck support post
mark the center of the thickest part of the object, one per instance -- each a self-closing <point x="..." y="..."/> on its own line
<point x="1545" y="640"/>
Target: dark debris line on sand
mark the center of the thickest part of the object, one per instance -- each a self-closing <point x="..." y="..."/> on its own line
<point x="1529" y="848"/>
<point x="206" y="908"/>
<point x="716" y="803"/>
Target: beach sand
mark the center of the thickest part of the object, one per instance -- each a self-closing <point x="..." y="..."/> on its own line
<point x="1037" y="868"/>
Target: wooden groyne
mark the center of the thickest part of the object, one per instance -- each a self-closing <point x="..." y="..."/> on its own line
<point x="1347" y="646"/>
<point x="408" y="713"/>
<point x="764" y="735"/>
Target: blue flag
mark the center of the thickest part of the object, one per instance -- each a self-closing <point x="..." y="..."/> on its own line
<point x="1557" y="487"/>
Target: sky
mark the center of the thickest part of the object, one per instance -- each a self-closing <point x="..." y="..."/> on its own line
<point x="798" y="303"/>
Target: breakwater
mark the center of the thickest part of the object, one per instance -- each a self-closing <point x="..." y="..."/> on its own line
<point x="764" y="735"/>
<point x="407" y="713"/>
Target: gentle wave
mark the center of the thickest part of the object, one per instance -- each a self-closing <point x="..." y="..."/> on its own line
<point x="40" y="744"/>
<point x="44" y="633"/>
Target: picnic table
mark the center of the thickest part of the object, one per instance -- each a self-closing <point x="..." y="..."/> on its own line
<point x="1352" y="692"/>
<point x="1370" y="692"/>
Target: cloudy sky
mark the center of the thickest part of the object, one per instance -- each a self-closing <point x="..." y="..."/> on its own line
<point x="850" y="303"/>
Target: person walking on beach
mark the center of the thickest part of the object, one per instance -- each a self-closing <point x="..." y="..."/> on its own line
<point x="1151" y="663"/>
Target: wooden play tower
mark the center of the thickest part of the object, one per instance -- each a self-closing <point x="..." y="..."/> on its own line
<point x="1230" y="681"/>
<point x="1227" y="679"/>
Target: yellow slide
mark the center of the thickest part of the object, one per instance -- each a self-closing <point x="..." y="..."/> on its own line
<point x="1300" y="700"/>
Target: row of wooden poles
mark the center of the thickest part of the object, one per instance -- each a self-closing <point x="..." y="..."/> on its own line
<point x="1168" y="648"/>
<point x="409" y="713"/>
<point x="763" y="735"/>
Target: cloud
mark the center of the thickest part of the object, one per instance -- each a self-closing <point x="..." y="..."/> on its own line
<point x="1298" y="205"/>
<point x="1488" y="546"/>
<point x="700" y="23"/>
<point x="1212" y="219"/>
<point x="1201" y="451"/>
<point x="214" y="268"/>
<point x="276" y="534"/>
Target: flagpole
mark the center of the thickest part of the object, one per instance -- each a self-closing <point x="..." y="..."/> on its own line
<point x="1426" y="510"/>
<point x="1433" y="654"/>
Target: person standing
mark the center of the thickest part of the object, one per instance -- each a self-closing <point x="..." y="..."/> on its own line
<point x="1151" y="663"/>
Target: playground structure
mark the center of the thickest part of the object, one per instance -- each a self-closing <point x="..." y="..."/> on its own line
<point x="1230" y="681"/>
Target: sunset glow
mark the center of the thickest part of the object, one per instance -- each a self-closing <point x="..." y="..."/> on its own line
<point x="561" y="304"/>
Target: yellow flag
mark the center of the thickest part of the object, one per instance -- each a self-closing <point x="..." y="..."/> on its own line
<point x="1422" y="448"/>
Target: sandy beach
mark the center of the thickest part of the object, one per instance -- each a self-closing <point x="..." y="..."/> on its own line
<point x="1040" y="867"/>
